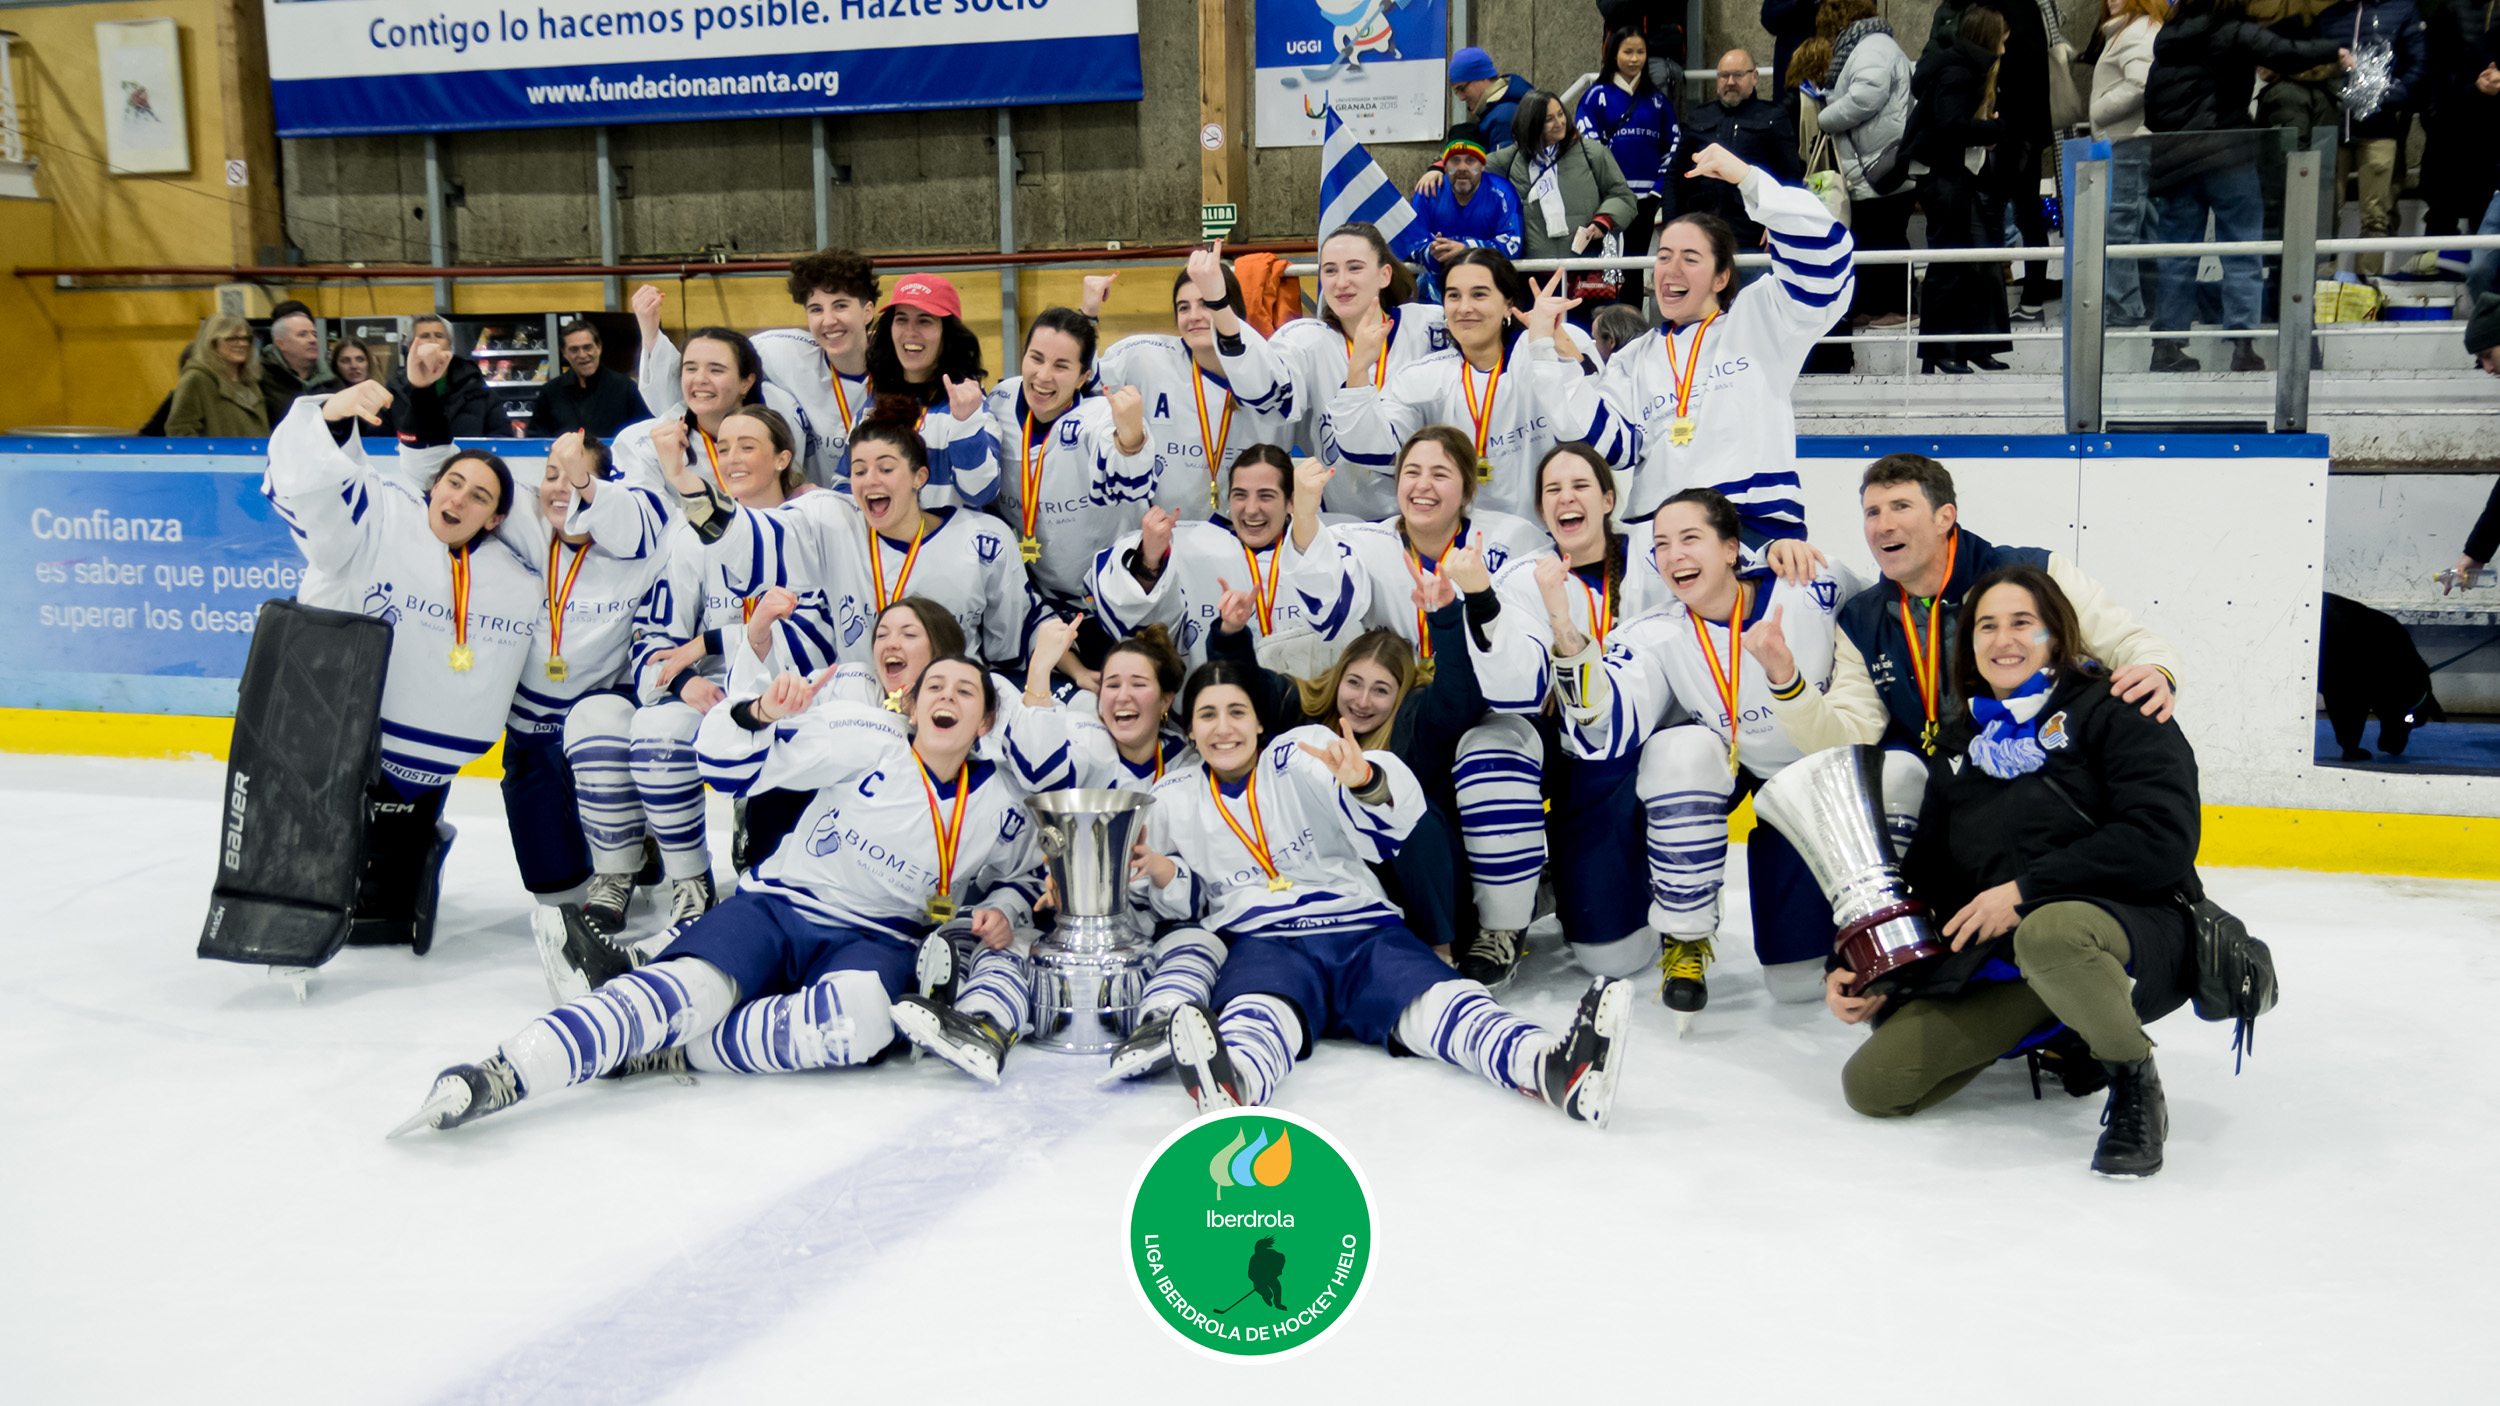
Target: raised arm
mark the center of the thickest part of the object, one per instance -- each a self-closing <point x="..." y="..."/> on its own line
<point x="324" y="495"/>
<point x="788" y="740"/>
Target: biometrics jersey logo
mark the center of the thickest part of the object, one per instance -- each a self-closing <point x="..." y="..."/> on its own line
<point x="378" y="603"/>
<point x="827" y="836"/>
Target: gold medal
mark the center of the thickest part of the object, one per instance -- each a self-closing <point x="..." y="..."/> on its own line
<point x="1927" y="739"/>
<point x="461" y="655"/>
<point x="1480" y="416"/>
<point x="1730" y="680"/>
<point x="559" y="593"/>
<point x="949" y="835"/>
<point x="1213" y="435"/>
<point x="894" y="701"/>
<point x="1279" y="884"/>
<point x="461" y="658"/>
<point x="1927" y="647"/>
<point x="1253" y="839"/>
<point x="555" y="667"/>
<point x="1031" y="546"/>
<point x="941" y="908"/>
<point x="1680" y="430"/>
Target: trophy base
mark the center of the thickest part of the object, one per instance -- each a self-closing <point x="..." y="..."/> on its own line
<point x="1085" y="996"/>
<point x="1885" y="941"/>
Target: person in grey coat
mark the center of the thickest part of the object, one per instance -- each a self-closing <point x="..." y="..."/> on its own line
<point x="1866" y="109"/>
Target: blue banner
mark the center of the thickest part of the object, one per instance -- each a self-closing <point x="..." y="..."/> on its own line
<point x="142" y="568"/>
<point x="341" y="67"/>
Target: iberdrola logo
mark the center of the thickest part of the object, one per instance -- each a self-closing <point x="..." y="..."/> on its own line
<point x="1250" y="1234"/>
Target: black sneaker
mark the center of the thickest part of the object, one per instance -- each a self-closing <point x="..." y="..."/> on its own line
<point x="465" y="1093"/>
<point x="2134" y="1121"/>
<point x="1206" y="1066"/>
<point x="1580" y="1073"/>
<point x="2172" y="356"/>
<point x="971" y="1043"/>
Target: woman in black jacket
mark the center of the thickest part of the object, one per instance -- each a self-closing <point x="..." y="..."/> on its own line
<point x="2059" y="830"/>
<point x="1954" y="117"/>
<point x="1414" y="710"/>
<point x="2205" y="62"/>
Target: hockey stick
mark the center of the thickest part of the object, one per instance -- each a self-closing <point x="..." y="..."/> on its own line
<point x="1235" y="1303"/>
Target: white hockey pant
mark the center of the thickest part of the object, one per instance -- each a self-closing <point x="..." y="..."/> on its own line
<point x="1186" y="961"/>
<point x="650" y="1008"/>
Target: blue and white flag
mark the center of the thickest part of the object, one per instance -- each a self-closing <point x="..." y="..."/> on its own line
<point x="1352" y="188"/>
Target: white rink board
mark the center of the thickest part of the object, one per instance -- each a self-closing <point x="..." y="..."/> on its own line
<point x="2216" y="541"/>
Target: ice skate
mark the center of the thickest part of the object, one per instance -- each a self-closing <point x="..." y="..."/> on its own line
<point x="971" y="1043"/>
<point x="1493" y="958"/>
<point x="1206" y="1067"/>
<point x="465" y="1093"/>
<point x="1580" y="1073"/>
<point x="936" y="971"/>
<point x="1685" y="988"/>
<point x="605" y="905"/>
<point x="2135" y="1121"/>
<point x="298" y="979"/>
<point x="576" y="959"/>
<point x="1145" y="1053"/>
<point x="689" y="899"/>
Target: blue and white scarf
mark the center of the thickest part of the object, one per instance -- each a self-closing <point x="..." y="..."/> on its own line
<point x="2008" y="744"/>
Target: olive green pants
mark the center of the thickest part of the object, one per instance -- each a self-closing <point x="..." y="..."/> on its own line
<point x="2073" y="958"/>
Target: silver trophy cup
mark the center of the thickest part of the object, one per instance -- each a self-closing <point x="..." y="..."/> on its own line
<point x="1089" y="974"/>
<point x="1830" y="806"/>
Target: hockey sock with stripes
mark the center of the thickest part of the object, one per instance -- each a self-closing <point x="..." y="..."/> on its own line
<point x="1186" y="961"/>
<point x="650" y="1008"/>
<point x="598" y="749"/>
<point x="1460" y="1023"/>
<point x="996" y="985"/>
<point x="844" y="1018"/>
<point x="670" y="788"/>
<point x="1501" y="825"/>
<point x="1260" y="1033"/>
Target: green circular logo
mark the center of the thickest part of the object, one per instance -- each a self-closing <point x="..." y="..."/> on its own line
<point x="1249" y="1234"/>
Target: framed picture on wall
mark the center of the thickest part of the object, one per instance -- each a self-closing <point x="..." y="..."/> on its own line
<point x="147" y="130"/>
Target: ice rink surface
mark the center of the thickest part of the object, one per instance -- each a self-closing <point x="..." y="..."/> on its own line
<point x="200" y="1206"/>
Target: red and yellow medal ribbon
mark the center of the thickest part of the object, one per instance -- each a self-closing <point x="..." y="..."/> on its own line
<point x="712" y="455"/>
<point x="1257" y="846"/>
<point x="1029" y="465"/>
<point x="1927" y="647"/>
<point x="950" y="835"/>
<point x="557" y="598"/>
<point x="461" y="655"/>
<point x="1601" y="611"/>
<point x="841" y="398"/>
<point x="1684" y="381"/>
<point x="1727" y="681"/>
<point x="1423" y="629"/>
<point x="1206" y="428"/>
<point x="1380" y="371"/>
<point x="876" y="564"/>
<point x="1263" y="596"/>
<point x="1480" y="416"/>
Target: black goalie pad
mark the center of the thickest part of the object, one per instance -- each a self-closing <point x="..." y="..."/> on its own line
<point x="307" y="745"/>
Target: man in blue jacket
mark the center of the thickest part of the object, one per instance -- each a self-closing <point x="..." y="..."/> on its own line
<point x="1470" y="209"/>
<point x="1492" y="96"/>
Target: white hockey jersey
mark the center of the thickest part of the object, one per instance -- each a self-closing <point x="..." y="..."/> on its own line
<point x="1532" y="402"/>
<point x="604" y="585"/>
<point x="1319" y="837"/>
<point x="1313" y="360"/>
<point x="1184" y="598"/>
<point x="1517" y="672"/>
<point x="693" y="599"/>
<point x="363" y="531"/>
<point x="832" y="402"/>
<point x="1188" y="410"/>
<point x="1654" y="664"/>
<point x="631" y="446"/>
<point x="820" y="546"/>
<point x="1067" y="748"/>
<point x="1743" y="393"/>
<point x="1354" y="576"/>
<point x="865" y="853"/>
<point x="1067" y="481"/>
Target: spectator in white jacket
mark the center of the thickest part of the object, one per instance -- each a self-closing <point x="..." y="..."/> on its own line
<point x="1866" y="107"/>
<point x="2125" y="61"/>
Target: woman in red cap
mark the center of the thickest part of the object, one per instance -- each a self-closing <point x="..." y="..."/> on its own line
<point x="919" y="346"/>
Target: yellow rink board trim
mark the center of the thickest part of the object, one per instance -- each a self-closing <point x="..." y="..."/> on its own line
<point x="2236" y="837"/>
